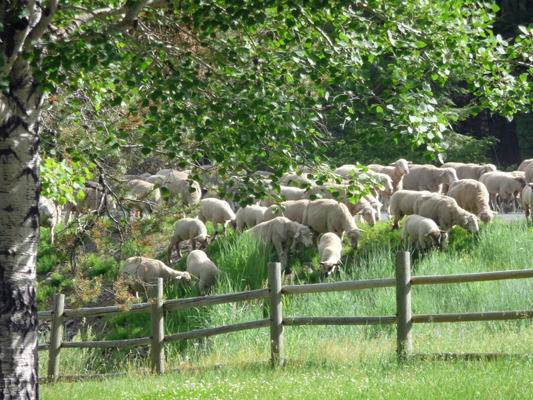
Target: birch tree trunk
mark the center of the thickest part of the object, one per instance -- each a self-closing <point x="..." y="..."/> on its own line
<point x="20" y="189"/>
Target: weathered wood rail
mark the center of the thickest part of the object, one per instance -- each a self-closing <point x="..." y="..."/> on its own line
<point x="277" y="321"/>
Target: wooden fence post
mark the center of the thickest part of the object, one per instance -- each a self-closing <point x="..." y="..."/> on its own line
<point x="56" y="336"/>
<point x="403" y="304"/>
<point x="157" y="349"/>
<point x="276" y="313"/>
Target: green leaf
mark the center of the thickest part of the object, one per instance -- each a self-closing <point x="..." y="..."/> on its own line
<point x="495" y="8"/>
<point x="420" y="44"/>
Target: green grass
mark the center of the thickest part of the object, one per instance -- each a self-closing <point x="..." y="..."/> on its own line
<point x="344" y="352"/>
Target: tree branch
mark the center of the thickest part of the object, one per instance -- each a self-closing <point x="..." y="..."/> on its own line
<point x="46" y="18"/>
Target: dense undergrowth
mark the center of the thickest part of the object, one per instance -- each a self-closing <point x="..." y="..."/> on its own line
<point x="501" y="246"/>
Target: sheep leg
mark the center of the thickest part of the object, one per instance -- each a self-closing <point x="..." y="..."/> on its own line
<point x="169" y="251"/>
<point x="526" y="209"/>
<point x="178" y="248"/>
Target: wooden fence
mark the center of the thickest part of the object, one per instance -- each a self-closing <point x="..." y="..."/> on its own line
<point x="404" y="318"/>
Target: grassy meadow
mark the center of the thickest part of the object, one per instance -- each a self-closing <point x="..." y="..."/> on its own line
<point x="339" y="361"/>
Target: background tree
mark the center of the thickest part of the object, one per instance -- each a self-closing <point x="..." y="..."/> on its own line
<point x="228" y="81"/>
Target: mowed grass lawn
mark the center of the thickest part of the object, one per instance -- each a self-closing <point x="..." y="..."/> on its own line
<point x="337" y="361"/>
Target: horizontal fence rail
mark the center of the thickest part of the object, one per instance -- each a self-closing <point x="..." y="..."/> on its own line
<point x="404" y="318"/>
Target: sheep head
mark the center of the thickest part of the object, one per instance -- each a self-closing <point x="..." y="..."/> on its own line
<point x="470" y="222"/>
<point x="369" y="215"/>
<point x="486" y="217"/>
<point x="353" y="237"/>
<point x="303" y="235"/>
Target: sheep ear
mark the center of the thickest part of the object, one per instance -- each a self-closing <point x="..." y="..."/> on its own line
<point x="428" y="234"/>
<point x="179" y="277"/>
<point x="360" y="230"/>
<point x="530" y="184"/>
<point x="360" y="212"/>
<point x="322" y="263"/>
<point x="297" y="235"/>
<point x="392" y="164"/>
<point x="443" y="232"/>
<point x="409" y="162"/>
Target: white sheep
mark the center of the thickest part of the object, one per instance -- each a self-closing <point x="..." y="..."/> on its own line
<point x="402" y="203"/>
<point x="472" y="196"/>
<point x="147" y="192"/>
<point x="249" y="216"/>
<point x="428" y="177"/>
<point x="528" y="173"/>
<point x="527" y="200"/>
<point x="294" y="210"/>
<point x="202" y="268"/>
<point x="141" y="270"/>
<point x="283" y="233"/>
<point x="504" y="185"/>
<point x="445" y="212"/>
<point x="297" y="180"/>
<point x="423" y="231"/>
<point x="470" y="171"/>
<point x="290" y="193"/>
<point x="141" y="177"/>
<point x="524" y="164"/>
<point x="218" y="212"/>
<point x="330" y="216"/>
<point x="49" y="215"/>
<point x="92" y="201"/>
<point x="187" y="228"/>
<point x="177" y="184"/>
<point x="330" y="250"/>
<point x="396" y="171"/>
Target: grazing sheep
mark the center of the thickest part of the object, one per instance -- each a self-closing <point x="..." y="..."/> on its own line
<point x="330" y="216"/>
<point x="177" y="184"/>
<point x="503" y="184"/>
<point x="524" y="164"/>
<point x="92" y="201"/>
<point x="330" y="250"/>
<point x="187" y="228"/>
<point x="290" y="193"/>
<point x="470" y="171"/>
<point x="49" y="214"/>
<point x="294" y="210"/>
<point x="249" y="216"/>
<point x="445" y="212"/>
<point x="467" y="171"/>
<point x="402" y="203"/>
<point x="396" y="171"/>
<point x="428" y="177"/>
<point x="528" y="173"/>
<point x="383" y="179"/>
<point x="527" y="200"/>
<point x="203" y="269"/>
<point x="141" y="270"/>
<point x="423" y="232"/>
<point x="296" y="180"/>
<point x="218" y="212"/>
<point x="283" y="233"/>
<point x="473" y="197"/>
<point x="143" y="190"/>
<point x="141" y="177"/>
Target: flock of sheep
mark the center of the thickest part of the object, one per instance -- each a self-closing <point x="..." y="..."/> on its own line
<point x="434" y="199"/>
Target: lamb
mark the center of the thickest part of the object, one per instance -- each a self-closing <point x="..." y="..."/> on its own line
<point x="428" y="177"/>
<point x="503" y="184"/>
<point x="330" y="250"/>
<point x="473" y="197"/>
<point x="218" y="212"/>
<point x="202" y="268"/>
<point x="290" y="193"/>
<point x="527" y="200"/>
<point x="396" y="171"/>
<point x="445" y="212"/>
<point x="402" y="203"/>
<point x="49" y="214"/>
<point x="330" y="216"/>
<point x="141" y="270"/>
<point x="143" y="190"/>
<point x="249" y="216"/>
<point x="187" y="228"/>
<point x="294" y="210"/>
<point x="283" y="233"/>
<point x="524" y="164"/>
<point x="423" y="232"/>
